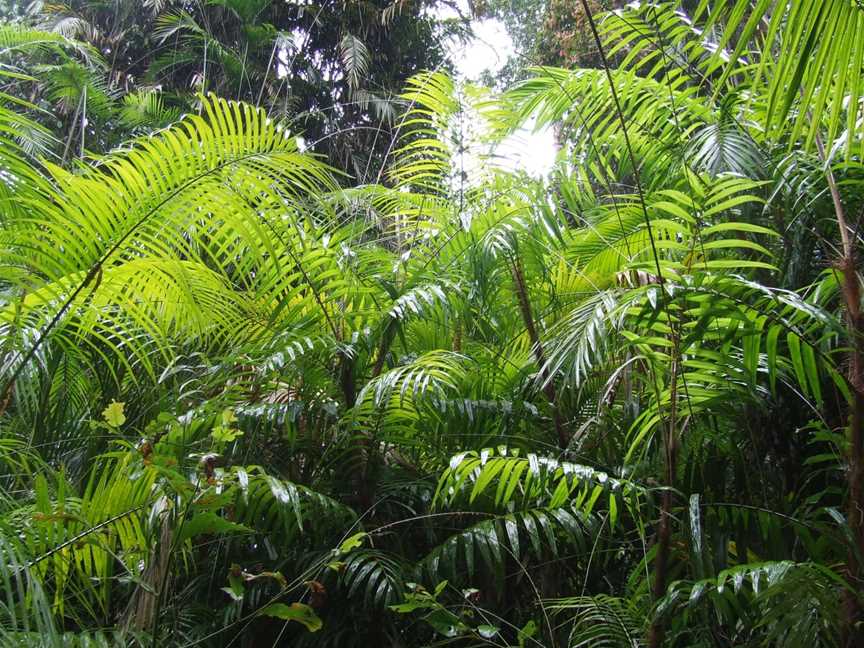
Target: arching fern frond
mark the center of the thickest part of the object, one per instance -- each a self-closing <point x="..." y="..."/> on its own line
<point x="285" y="509"/>
<point x="213" y="191"/>
<point x="529" y="534"/>
<point x="601" y="620"/>
<point x="493" y="479"/>
<point x="373" y="577"/>
<point x="430" y="376"/>
<point x="779" y="603"/>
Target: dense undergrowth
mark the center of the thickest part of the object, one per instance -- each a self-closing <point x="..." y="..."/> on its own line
<point x="248" y="402"/>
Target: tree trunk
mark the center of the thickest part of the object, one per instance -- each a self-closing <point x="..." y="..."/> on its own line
<point x="387" y="337"/>
<point x="142" y="613"/>
<point x="363" y="447"/>
<point x="539" y="356"/>
<point x="853" y="614"/>
<point x="664" y="531"/>
<point x="853" y="621"/>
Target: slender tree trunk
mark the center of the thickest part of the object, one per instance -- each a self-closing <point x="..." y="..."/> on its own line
<point x="853" y="622"/>
<point x="664" y="532"/>
<point x="363" y="446"/>
<point x="539" y="355"/>
<point x="72" y="126"/>
<point x="853" y="614"/>
<point x="141" y="615"/>
<point x="346" y="380"/>
<point x="365" y="442"/>
<point x="457" y="335"/>
<point x="387" y="337"/>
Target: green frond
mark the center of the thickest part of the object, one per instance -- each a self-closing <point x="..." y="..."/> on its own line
<point x="807" y="55"/>
<point x="535" y="534"/>
<point x="16" y="37"/>
<point x="660" y="117"/>
<point x="493" y="479"/>
<point x="147" y="108"/>
<point x="780" y="603"/>
<point x="284" y="509"/>
<point x="600" y="620"/>
<point x="430" y="376"/>
<point x="195" y="202"/>
<point x="355" y="59"/>
<point x="373" y="577"/>
<point x="25" y="610"/>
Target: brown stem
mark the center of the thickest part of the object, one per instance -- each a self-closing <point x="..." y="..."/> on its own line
<point x="387" y="337"/>
<point x="853" y="613"/>
<point x="839" y="211"/>
<point x="362" y="450"/>
<point x="457" y="336"/>
<point x="539" y="355"/>
<point x="142" y="612"/>
<point x="346" y="379"/>
<point x="664" y="533"/>
<point x="364" y="446"/>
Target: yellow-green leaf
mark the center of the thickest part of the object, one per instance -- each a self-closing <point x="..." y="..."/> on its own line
<point x="298" y="612"/>
<point x="113" y="414"/>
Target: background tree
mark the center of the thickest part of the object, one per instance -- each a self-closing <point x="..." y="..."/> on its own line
<point x="331" y="69"/>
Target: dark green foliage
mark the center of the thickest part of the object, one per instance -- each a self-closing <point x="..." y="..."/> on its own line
<point x="244" y="405"/>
